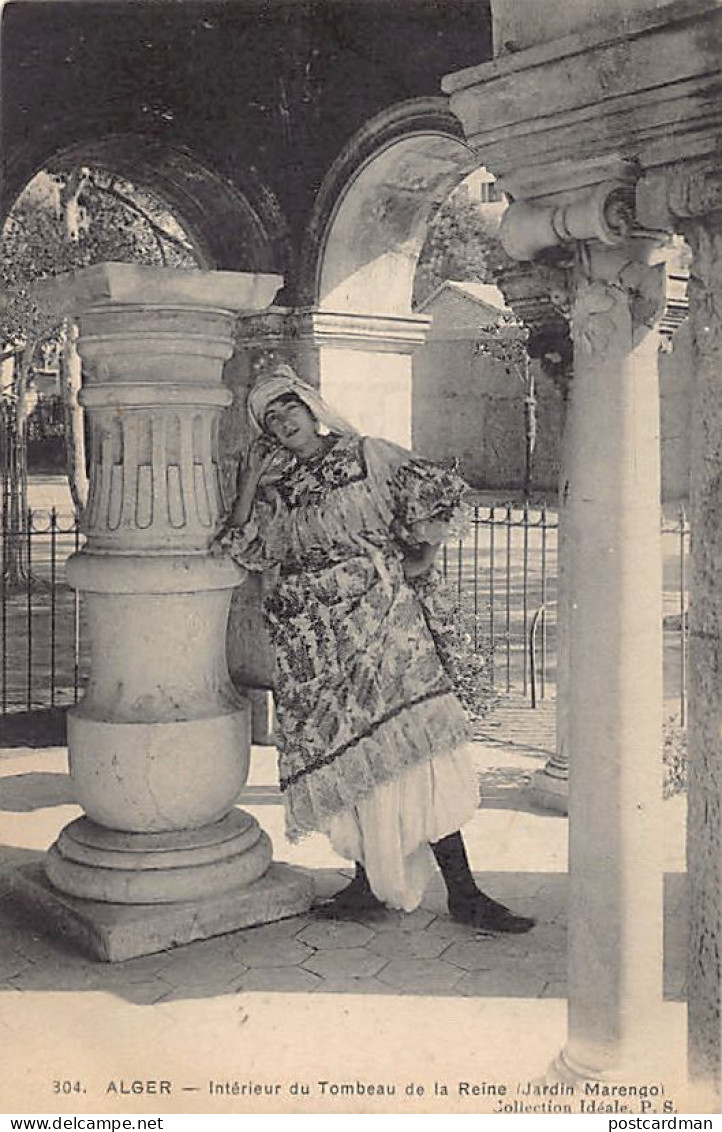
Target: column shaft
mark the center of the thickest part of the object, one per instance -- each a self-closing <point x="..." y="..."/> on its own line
<point x="704" y="728"/>
<point x="614" y="674"/>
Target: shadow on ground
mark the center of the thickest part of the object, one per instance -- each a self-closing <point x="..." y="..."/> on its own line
<point x="38" y="790"/>
<point x="45" y="727"/>
<point x="508" y="788"/>
<point x="421" y="953"/>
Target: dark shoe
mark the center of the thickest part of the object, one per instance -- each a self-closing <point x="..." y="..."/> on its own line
<point x="355" y="901"/>
<point x="487" y="915"/>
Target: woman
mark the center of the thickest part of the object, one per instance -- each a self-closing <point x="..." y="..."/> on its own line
<point x="371" y="737"/>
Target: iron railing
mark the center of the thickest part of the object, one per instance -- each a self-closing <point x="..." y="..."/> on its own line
<point x="504" y="576"/>
<point x="502" y="573"/>
<point x="43" y="650"/>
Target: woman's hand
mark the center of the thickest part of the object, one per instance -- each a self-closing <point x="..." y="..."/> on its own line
<point x="258" y="458"/>
<point x="215" y="549"/>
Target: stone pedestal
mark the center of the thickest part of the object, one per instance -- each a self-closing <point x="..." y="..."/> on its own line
<point x="159" y="744"/>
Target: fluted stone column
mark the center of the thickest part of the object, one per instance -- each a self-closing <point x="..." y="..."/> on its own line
<point x="159" y="744"/>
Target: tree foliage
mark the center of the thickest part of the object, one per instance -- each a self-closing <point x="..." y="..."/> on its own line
<point x="461" y="244"/>
<point x="67" y="219"/>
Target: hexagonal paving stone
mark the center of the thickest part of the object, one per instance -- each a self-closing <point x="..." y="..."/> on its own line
<point x="420" y="976"/>
<point x="287" y="980"/>
<point x="56" y="977"/>
<point x="12" y="964"/>
<point x="146" y="994"/>
<point x="414" y="921"/>
<point x="209" y="969"/>
<point x="339" y="962"/>
<point x="446" y="928"/>
<point x="276" y="930"/>
<point x="336" y="933"/>
<point x="472" y="955"/>
<point x="280" y="953"/>
<point x="415" y="945"/>
<point x="147" y="966"/>
<point x="212" y="986"/>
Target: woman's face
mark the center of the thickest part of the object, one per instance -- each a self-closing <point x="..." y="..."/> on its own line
<point x="292" y="424"/>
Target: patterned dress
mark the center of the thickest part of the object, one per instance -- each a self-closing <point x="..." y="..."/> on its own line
<point x="370" y="731"/>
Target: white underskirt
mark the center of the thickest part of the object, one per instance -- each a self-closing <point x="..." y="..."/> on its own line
<point x="390" y="829"/>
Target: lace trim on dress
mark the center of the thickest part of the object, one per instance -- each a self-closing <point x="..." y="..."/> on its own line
<point x="413" y="734"/>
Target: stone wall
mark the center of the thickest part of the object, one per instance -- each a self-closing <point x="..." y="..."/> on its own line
<point x="465" y="406"/>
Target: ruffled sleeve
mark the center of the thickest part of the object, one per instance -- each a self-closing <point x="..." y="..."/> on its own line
<point x="426" y="500"/>
<point x="261" y="542"/>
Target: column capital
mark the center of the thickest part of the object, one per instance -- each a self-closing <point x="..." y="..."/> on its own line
<point x="620" y="295"/>
<point x="123" y="284"/>
<point x="539" y="293"/>
<point x="603" y="211"/>
<point x="671" y="195"/>
<point x="154" y="342"/>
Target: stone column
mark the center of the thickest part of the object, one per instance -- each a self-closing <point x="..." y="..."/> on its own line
<point x="612" y="598"/>
<point x="159" y="744"/>
<point x="704" y="787"/>
<point x="688" y="198"/>
<point x="614" y="677"/>
<point x="550" y="119"/>
<point x="704" y="848"/>
<point x="550" y="785"/>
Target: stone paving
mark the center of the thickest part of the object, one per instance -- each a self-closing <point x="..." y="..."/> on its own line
<point x="421" y="953"/>
<point x="519" y="855"/>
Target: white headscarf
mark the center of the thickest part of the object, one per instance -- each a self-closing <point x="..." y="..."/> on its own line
<point x="283" y="379"/>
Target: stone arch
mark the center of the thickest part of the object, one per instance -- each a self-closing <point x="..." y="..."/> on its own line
<point x="232" y="228"/>
<point x="367" y="231"/>
<point x="371" y="214"/>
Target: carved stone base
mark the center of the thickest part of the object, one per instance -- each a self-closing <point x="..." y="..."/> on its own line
<point x="115" y="867"/>
<point x="624" y="1067"/>
<point x="114" y="932"/>
<point x="550" y="791"/>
